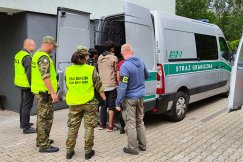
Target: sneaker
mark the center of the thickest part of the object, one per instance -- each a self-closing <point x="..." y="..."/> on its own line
<point x="102" y="126"/>
<point x="129" y="151"/>
<point x="89" y="155"/>
<point x="29" y="131"/>
<point x="142" y="148"/>
<point x="49" y="149"/>
<point x="69" y="155"/>
<point x="122" y="131"/>
<point x="110" y="129"/>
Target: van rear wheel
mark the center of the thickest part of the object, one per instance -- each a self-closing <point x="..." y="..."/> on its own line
<point x="179" y="107"/>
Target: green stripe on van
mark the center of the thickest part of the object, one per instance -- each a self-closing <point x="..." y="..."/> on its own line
<point x="152" y="76"/>
<point x="227" y="67"/>
<point x="149" y="97"/>
<point x="182" y="68"/>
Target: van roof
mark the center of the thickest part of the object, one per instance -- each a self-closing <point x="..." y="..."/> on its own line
<point x="180" y="23"/>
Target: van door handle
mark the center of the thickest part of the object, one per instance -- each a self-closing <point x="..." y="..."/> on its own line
<point x="222" y="66"/>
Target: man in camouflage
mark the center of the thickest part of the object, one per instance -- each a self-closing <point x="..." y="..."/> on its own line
<point x="44" y="85"/>
<point x="88" y="110"/>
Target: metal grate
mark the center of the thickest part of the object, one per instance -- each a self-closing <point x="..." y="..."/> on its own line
<point x="109" y="30"/>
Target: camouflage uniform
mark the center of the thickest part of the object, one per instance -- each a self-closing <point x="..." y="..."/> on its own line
<point x="89" y="112"/>
<point x="44" y="108"/>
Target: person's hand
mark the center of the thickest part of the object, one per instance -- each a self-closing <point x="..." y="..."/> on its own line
<point x="118" y="108"/>
<point x="54" y="98"/>
<point x="103" y="103"/>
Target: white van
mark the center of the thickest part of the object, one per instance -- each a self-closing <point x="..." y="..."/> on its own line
<point x="188" y="60"/>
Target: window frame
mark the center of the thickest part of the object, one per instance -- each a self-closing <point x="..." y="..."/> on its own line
<point x="215" y="48"/>
<point x="225" y="43"/>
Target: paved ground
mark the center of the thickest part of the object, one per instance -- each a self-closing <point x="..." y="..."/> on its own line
<point x="208" y="133"/>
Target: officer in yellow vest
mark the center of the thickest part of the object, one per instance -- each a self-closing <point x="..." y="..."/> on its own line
<point x="81" y="81"/>
<point x="22" y="79"/>
<point x="44" y="86"/>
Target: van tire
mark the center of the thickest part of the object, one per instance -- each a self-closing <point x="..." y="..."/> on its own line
<point x="179" y="106"/>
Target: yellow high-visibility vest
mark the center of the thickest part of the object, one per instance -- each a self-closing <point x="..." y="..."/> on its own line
<point x="37" y="83"/>
<point x="79" y="81"/>
<point x="20" y="77"/>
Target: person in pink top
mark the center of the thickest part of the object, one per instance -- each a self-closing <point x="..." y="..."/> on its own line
<point x="118" y="69"/>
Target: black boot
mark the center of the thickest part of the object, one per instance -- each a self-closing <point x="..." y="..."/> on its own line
<point x="89" y="155"/>
<point x="29" y="130"/>
<point x="122" y="131"/>
<point x="49" y="149"/>
<point x="31" y="124"/>
<point x="50" y="141"/>
<point x="69" y="155"/>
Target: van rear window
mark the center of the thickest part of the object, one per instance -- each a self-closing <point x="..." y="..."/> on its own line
<point x="206" y="47"/>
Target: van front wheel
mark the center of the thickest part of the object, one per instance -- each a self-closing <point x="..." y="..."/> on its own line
<point x="179" y="107"/>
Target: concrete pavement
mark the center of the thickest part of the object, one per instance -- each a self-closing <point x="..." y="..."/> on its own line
<point x="208" y="133"/>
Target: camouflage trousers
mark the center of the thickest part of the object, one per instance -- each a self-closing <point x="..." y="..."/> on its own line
<point x="44" y="120"/>
<point x="89" y="112"/>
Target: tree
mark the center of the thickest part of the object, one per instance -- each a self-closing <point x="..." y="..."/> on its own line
<point x="195" y="9"/>
<point x="227" y="14"/>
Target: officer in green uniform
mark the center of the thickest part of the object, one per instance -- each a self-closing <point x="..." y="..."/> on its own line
<point x="44" y="86"/>
<point x="81" y="81"/>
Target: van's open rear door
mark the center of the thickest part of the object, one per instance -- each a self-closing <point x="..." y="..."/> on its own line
<point x="235" y="100"/>
<point x="73" y="29"/>
<point x="140" y="34"/>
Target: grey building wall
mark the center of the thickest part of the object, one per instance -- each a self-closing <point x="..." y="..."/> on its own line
<point x="38" y="26"/>
<point x="96" y="7"/>
<point x="13" y="32"/>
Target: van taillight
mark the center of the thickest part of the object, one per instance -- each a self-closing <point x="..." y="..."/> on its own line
<point x="160" y="80"/>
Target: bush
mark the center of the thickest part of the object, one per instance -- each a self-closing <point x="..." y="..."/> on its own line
<point x="233" y="45"/>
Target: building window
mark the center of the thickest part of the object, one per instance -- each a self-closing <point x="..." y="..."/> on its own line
<point x="206" y="47"/>
<point x="224" y="50"/>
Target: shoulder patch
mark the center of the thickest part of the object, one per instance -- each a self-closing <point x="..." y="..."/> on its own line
<point x="124" y="79"/>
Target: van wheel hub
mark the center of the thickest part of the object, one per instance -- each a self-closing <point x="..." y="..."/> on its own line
<point x="181" y="106"/>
